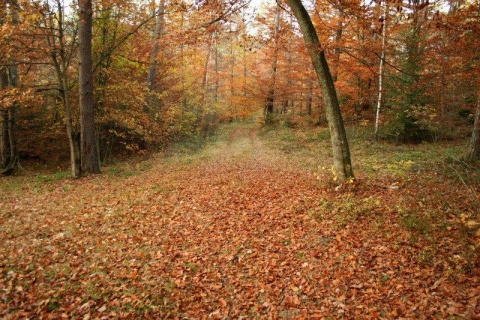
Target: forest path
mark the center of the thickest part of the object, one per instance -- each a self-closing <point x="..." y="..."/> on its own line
<point x="225" y="233"/>
<point x="220" y="233"/>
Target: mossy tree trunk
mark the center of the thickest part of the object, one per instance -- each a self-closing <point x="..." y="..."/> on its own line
<point x="341" y="151"/>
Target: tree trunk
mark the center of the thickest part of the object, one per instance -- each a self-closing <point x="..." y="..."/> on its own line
<point x="12" y="141"/>
<point x="73" y="139"/>
<point x="215" y="36"/>
<point x="270" y="100"/>
<point x="89" y="157"/>
<point x="3" y="123"/>
<point x="60" y="64"/>
<point x="338" y="40"/>
<point x="309" y="97"/>
<point x="182" y="59"/>
<point x="474" y="151"/>
<point x="156" y="45"/>
<point x="3" y="112"/>
<point x="380" y="71"/>
<point x="205" y="66"/>
<point x="12" y="81"/>
<point x="244" y="54"/>
<point x="3" y="138"/>
<point x="232" y="75"/>
<point x="288" y="70"/>
<point x="341" y="152"/>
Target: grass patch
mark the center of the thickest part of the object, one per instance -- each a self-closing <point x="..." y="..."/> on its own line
<point x="311" y="147"/>
<point x="345" y="209"/>
<point x="57" y="176"/>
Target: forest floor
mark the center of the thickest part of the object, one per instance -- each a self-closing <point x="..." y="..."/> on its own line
<point x="247" y="227"/>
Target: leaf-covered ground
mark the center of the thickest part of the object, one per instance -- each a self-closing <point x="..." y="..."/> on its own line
<point x="239" y="230"/>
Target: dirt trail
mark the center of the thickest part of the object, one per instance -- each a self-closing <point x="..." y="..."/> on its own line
<point x="226" y="234"/>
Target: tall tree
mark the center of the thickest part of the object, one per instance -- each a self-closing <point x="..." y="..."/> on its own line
<point x="61" y="57"/>
<point x="3" y="112"/>
<point x="3" y="122"/>
<point x="380" y="71"/>
<point x="156" y="44"/>
<point x="12" y="81"/>
<point x="89" y="156"/>
<point x="338" y="41"/>
<point x="341" y="151"/>
<point x="270" y="100"/>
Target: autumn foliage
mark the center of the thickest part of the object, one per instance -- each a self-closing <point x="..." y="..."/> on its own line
<point x="213" y="63"/>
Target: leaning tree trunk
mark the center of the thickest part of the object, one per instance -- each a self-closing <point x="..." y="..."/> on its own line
<point x="89" y="156"/>
<point x="474" y="151"/>
<point x="341" y="152"/>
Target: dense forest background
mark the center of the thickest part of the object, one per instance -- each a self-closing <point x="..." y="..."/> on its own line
<point x="173" y="70"/>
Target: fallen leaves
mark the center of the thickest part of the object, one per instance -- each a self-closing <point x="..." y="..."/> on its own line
<point x="229" y="236"/>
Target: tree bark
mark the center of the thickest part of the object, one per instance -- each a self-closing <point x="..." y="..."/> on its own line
<point x="12" y="139"/>
<point x="232" y="74"/>
<point x="309" y="97"/>
<point x="215" y="36"/>
<point x="12" y="81"/>
<point x="205" y="66"/>
<point x="245" y="35"/>
<point x="288" y="70"/>
<point x="156" y="45"/>
<point x="60" y="63"/>
<point x="380" y="71"/>
<point x="3" y="122"/>
<point x="474" y="151"/>
<point x="3" y="138"/>
<point x="3" y="112"/>
<point x="270" y="100"/>
<point x="338" y="40"/>
<point x="89" y="157"/>
<point x="341" y="152"/>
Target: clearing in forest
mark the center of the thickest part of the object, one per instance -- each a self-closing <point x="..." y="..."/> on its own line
<point x="239" y="229"/>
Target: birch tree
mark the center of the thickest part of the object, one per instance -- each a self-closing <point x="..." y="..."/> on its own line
<point x="380" y="69"/>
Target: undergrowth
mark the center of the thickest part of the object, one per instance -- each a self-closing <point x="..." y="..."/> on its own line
<point x="425" y="189"/>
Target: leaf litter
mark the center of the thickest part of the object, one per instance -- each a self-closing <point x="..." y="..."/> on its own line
<point x="240" y="232"/>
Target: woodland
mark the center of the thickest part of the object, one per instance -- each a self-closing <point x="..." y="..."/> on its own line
<point x="250" y="159"/>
